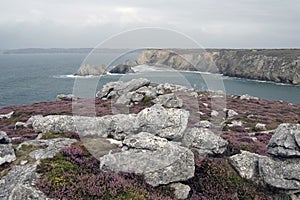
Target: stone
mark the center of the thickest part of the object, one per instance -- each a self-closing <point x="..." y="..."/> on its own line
<point x="4" y="139"/>
<point x="248" y="97"/>
<point x="107" y="88"/>
<point x="54" y="124"/>
<point x="52" y="147"/>
<point x="66" y="97"/>
<point x="122" y="69"/>
<point x="124" y="99"/>
<point x="167" y="123"/>
<point x="159" y="160"/>
<point x="235" y="123"/>
<point x="30" y="121"/>
<point x="91" y="70"/>
<point x="20" y="124"/>
<point x="282" y="174"/>
<point x="285" y="142"/>
<point x="7" y="116"/>
<point x="169" y="101"/>
<point x="204" y="141"/>
<point x="148" y="92"/>
<point x="260" y="127"/>
<point x="205" y="124"/>
<point x="136" y="97"/>
<point x="7" y="153"/>
<point x="214" y="113"/>
<point x="181" y="191"/>
<point x="19" y="184"/>
<point x="230" y="113"/>
<point x="246" y="164"/>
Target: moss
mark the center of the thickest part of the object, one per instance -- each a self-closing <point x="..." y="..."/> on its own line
<point x="147" y="101"/>
<point x="49" y="135"/>
<point x="23" y="153"/>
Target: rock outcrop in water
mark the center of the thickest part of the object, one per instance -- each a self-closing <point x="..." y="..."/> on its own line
<point x="91" y="70"/>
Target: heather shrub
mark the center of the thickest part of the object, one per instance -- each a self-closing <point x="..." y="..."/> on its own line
<point x="74" y="173"/>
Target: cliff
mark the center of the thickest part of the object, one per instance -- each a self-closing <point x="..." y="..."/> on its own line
<point x="278" y="65"/>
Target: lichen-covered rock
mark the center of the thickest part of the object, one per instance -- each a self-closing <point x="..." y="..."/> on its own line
<point x="246" y="164"/>
<point x="167" y="123"/>
<point x="19" y="182"/>
<point x="286" y="141"/>
<point x="52" y="147"/>
<point x="4" y="139"/>
<point x="181" y="191"/>
<point x="160" y="161"/>
<point x="169" y="101"/>
<point x="7" y="153"/>
<point x="119" y="88"/>
<point x="283" y="174"/>
<point x="54" y="124"/>
<point x="204" y="141"/>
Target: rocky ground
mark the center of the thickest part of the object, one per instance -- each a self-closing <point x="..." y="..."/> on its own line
<point x="137" y="140"/>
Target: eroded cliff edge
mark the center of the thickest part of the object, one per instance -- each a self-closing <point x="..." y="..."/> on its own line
<point x="277" y="65"/>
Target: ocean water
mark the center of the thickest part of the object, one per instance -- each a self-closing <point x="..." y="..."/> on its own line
<point x="30" y="78"/>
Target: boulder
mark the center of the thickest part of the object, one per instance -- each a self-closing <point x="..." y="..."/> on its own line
<point x="167" y="123"/>
<point x="66" y="97"/>
<point x="246" y="164"/>
<point x="205" y="124"/>
<point x="149" y="92"/>
<point x="7" y="116"/>
<point x="181" y="191"/>
<point x="116" y="89"/>
<point x="19" y="184"/>
<point x="286" y="141"/>
<point x="282" y="174"/>
<point x="230" y="113"/>
<point x="204" y="141"/>
<point x="122" y="69"/>
<point x="160" y="161"/>
<point x="51" y="147"/>
<point x="260" y="127"/>
<point x="4" y="139"/>
<point x="7" y="153"/>
<point x="20" y="124"/>
<point x="169" y="101"/>
<point x="30" y="121"/>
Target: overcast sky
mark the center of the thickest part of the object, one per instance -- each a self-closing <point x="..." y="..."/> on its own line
<point x="213" y="23"/>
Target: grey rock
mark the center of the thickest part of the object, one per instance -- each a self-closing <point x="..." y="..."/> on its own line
<point x="282" y="174"/>
<point x="7" y="116"/>
<point x="161" y="161"/>
<point x="19" y="183"/>
<point x="286" y="141"/>
<point x="66" y="97"/>
<point x="204" y="141"/>
<point x="246" y="164"/>
<point x="119" y="88"/>
<point x="260" y="127"/>
<point x="28" y="192"/>
<point x="52" y="147"/>
<point x="94" y="70"/>
<point x="181" y="191"/>
<point x="4" y="139"/>
<point x="122" y="69"/>
<point x="169" y="101"/>
<point x="30" y="121"/>
<point x="231" y="113"/>
<point x="7" y="153"/>
<point x="54" y="124"/>
<point x="248" y="97"/>
<point x="205" y="124"/>
<point x="20" y="124"/>
<point x="148" y="92"/>
<point x="136" y="97"/>
<point x="168" y="123"/>
<point x="124" y="99"/>
<point x="107" y="88"/>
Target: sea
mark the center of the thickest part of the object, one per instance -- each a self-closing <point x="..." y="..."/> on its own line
<point x="38" y="77"/>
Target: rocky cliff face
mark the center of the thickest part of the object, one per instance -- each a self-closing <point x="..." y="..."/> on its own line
<point x="282" y="66"/>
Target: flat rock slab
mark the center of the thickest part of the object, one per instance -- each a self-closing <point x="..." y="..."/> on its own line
<point x="161" y="161"/>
